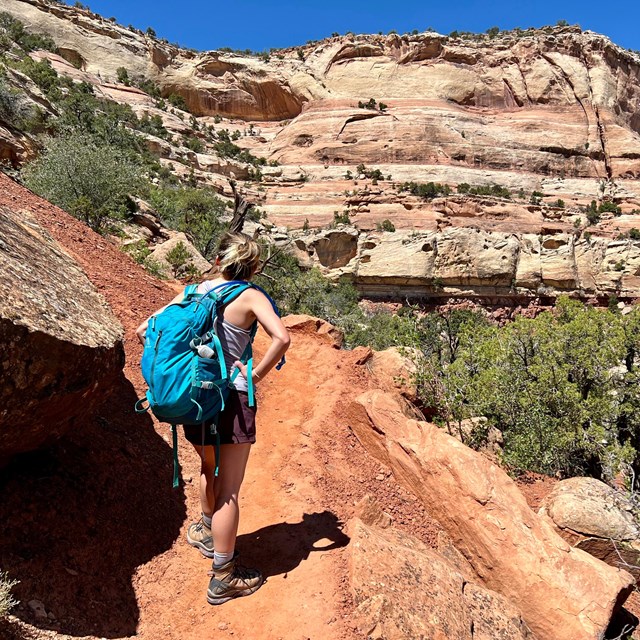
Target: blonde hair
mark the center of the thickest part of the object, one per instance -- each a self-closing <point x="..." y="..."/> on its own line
<point x="239" y="256"/>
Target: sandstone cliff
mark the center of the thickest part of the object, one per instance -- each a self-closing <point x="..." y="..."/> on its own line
<point x="550" y="115"/>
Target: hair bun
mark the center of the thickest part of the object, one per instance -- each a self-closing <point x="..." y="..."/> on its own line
<point x="239" y="255"/>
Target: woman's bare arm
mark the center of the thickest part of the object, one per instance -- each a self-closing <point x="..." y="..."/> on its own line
<point x="268" y="319"/>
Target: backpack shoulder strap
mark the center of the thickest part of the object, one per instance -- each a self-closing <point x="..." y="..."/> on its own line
<point x="190" y="291"/>
<point x="232" y="291"/>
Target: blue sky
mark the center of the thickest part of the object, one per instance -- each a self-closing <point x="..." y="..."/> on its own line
<point x="257" y="25"/>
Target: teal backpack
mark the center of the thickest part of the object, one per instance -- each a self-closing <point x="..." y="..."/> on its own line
<point x="183" y="362"/>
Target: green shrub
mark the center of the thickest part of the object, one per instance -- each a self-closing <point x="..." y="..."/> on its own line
<point x="341" y="218"/>
<point x="177" y="101"/>
<point x="178" y="257"/>
<point x="593" y="215"/>
<point x="227" y="149"/>
<point x="536" y="198"/>
<point x="14" y="31"/>
<point x="139" y="251"/>
<point x="107" y="122"/>
<point x="386" y="225"/>
<point x="149" y="87"/>
<point x="123" y="76"/>
<point x="427" y="191"/>
<point x="91" y="181"/>
<point x="371" y="103"/>
<point x="196" y="212"/>
<point x="607" y="206"/>
<point x="549" y="384"/>
<point x="297" y="291"/>
<point x="152" y="125"/>
<point x="195" y="144"/>
<point x="484" y="190"/>
<point x="634" y="234"/>
<point x="14" y="110"/>
<point x="43" y="74"/>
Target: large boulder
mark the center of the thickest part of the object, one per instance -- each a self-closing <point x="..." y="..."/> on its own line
<point x="60" y="346"/>
<point x="563" y="593"/>
<point x="403" y="589"/>
<point x="590" y="507"/>
<point x="597" y="519"/>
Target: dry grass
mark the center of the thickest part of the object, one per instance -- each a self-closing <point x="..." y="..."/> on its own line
<point x="7" y="601"/>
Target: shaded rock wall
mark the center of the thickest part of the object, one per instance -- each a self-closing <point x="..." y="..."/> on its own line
<point x="60" y="346"/>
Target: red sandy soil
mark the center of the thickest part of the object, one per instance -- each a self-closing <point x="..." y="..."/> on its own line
<point x="93" y="530"/>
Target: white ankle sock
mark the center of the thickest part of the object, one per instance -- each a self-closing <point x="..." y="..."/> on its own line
<point x="221" y="558"/>
<point x="207" y="520"/>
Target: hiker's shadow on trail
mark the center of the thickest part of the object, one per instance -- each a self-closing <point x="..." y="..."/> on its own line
<point x="80" y="517"/>
<point x="280" y="548"/>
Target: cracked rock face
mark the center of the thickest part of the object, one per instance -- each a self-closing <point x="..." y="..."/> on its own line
<point x="597" y="519"/>
<point x="403" y="589"/>
<point x="590" y="507"/>
<point x="562" y="593"/>
<point x="466" y="260"/>
<point x="60" y="345"/>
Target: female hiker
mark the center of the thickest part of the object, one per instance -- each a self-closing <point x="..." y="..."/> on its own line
<point x="215" y="533"/>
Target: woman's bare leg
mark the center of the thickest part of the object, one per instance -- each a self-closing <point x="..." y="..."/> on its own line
<point x="226" y="514"/>
<point x="207" y="469"/>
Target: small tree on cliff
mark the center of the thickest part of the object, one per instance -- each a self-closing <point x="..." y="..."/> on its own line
<point x="123" y="76"/>
<point x="196" y="212"/>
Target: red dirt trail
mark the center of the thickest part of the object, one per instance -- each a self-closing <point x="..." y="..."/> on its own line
<point x="93" y="530"/>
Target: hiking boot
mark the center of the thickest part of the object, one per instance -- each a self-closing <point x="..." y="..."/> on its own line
<point x="199" y="536"/>
<point x="232" y="580"/>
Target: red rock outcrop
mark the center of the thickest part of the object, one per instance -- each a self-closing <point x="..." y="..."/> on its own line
<point x="563" y="593"/>
<point x="61" y="345"/>
<point x="403" y="590"/>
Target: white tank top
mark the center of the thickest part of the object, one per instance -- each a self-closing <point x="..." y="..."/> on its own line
<point x="234" y="339"/>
